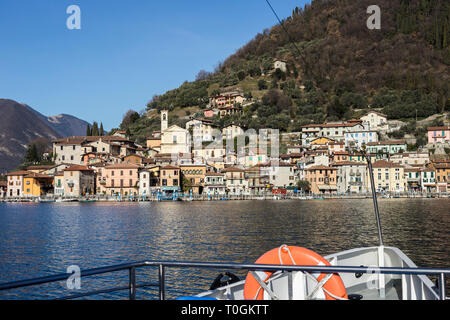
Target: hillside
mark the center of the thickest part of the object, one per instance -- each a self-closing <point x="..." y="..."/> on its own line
<point x="336" y="68"/>
<point x="20" y="125"/>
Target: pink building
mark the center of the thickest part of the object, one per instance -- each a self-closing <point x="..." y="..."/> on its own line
<point x="208" y="113"/>
<point x="439" y="134"/>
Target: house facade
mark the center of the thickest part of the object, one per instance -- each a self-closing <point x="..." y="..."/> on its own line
<point x="121" y="179"/>
<point x="438" y="134"/>
<point x="79" y="181"/>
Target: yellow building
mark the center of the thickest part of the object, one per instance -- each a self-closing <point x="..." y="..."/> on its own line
<point x="322" y="141"/>
<point x="388" y="176"/>
<point x="442" y="176"/>
<point x="195" y="176"/>
<point x="37" y="184"/>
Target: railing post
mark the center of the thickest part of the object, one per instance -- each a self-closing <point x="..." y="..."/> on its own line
<point x="132" y="284"/>
<point x="162" y="290"/>
<point x="441" y="282"/>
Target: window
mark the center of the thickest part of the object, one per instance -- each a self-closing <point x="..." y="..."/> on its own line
<point x="121" y="172"/>
<point x="112" y="183"/>
<point x="174" y="139"/>
<point x="121" y="182"/>
<point x="131" y="182"/>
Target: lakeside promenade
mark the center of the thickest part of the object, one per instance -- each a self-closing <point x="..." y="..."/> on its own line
<point x="203" y="197"/>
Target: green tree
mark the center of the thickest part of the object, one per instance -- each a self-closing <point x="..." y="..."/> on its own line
<point x="88" y="130"/>
<point x="102" y="131"/>
<point x="303" y="185"/>
<point x="95" y="131"/>
<point x="31" y="155"/>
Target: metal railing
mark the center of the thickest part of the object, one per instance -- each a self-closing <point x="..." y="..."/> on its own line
<point x="163" y="265"/>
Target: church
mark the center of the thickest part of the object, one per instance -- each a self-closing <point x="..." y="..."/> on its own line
<point x="174" y="139"/>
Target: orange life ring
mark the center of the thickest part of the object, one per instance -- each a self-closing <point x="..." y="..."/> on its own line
<point x="301" y="256"/>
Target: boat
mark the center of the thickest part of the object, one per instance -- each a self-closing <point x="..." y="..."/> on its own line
<point x="46" y="200"/>
<point x="294" y="273"/>
<point x="87" y="200"/>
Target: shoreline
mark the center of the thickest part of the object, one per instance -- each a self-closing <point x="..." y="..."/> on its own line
<point x="224" y="198"/>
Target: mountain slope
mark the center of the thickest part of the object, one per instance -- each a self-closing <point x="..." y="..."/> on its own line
<point x="336" y="67"/>
<point x="20" y="124"/>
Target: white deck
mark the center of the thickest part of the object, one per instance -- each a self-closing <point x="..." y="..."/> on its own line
<point x="372" y="286"/>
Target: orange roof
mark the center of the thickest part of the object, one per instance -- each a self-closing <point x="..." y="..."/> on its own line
<point x="438" y="128"/>
<point x="123" y="166"/>
<point x="18" y="173"/>
<point x="320" y="168"/>
<point x="385" y="164"/>
<point x="78" y="168"/>
<point x="381" y="143"/>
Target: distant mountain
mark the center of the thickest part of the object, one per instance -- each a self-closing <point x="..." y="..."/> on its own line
<point x="20" y="124"/>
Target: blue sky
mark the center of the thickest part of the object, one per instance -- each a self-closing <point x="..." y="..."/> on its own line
<point x="125" y="52"/>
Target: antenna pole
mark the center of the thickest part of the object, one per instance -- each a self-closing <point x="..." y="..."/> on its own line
<point x="374" y="197"/>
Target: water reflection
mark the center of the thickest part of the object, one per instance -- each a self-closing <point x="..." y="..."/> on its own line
<point x="39" y="239"/>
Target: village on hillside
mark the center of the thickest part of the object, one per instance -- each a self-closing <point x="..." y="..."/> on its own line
<point x="203" y="161"/>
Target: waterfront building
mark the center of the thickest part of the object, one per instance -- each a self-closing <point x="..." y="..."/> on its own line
<point x="235" y="181"/>
<point x="170" y="179"/>
<point x="439" y="134"/>
<point x="58" y="184"/>
<point x="37" y="184"/>
<point x="442" y="176"/>
<point x="377" y="121"/>
<point x="281" y="175"/>
<point x="351" y="177"/>
<point x="214" y="184"/>
<point x="15" y="183"/>
<point x="322" y="179"/>
<point x="428" y="179"/>
<point x="413" y="177"/>
<point x="388" y="176"/>
<point x="122" y="178"/>
<point x="149" y="182"/>
<point x="258" y="180"/>
<point x="194" y="176"/>
<point x="3" y="189"/>
<point x="386" y="148"/>
<point x="70" y="150"/>
<point x="79" y="181"/>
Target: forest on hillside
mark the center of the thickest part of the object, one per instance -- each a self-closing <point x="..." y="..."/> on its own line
<point x="336" y="67"/>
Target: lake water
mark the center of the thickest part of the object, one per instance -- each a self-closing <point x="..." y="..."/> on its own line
<point x="42" y="239"/>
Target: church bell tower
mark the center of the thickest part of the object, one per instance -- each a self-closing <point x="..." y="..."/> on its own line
<point x="164" y="119"/>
